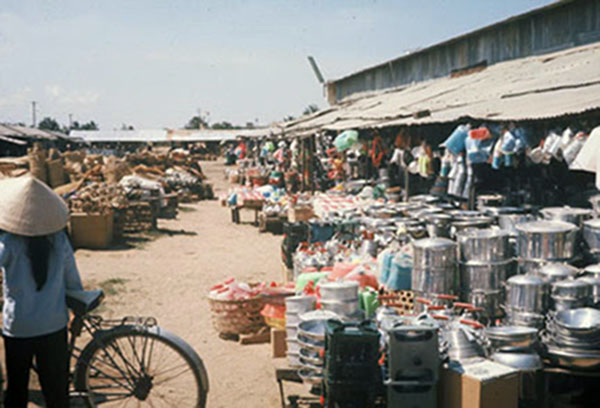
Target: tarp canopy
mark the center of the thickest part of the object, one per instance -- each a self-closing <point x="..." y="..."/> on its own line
<point x="588" y="158"/>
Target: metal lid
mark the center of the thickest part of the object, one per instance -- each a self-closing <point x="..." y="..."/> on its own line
<point x="594" y="223"/>
<point x="593" y="270"/>
<point x="526" y="280"/>
<point x="557" y="211"/>
<point x="510" y="331"/>
<point x="592" y="280"/>
<point x="558" y="270"/>
<point x="496" y="211"/>
<point x="546" y="226"/>
<point x="465" y="214"/>
<point x="482" y="233"/>
<point x="434" y="243"/>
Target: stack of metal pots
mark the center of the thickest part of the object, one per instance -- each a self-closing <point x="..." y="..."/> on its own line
<point x="294" y="307"/>
<point x="572" y="215"/>
<point x="434" y="267"/>
<point x="591" y="239"/>
<point x="540" y="242"/>
<point x="485" y="263"/>
<point x="311" y="341"/>
<point x="464" y="219"/>
<point x="526" y="300"/>
<point x="340" y="298"/>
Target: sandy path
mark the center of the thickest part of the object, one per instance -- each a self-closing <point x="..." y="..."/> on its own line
<point x="169" y="278"/>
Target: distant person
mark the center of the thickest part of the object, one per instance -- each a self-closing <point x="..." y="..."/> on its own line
<point x="38" y="266"/>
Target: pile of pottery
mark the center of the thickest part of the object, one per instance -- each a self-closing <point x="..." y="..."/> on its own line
<point x="572" y="338"/>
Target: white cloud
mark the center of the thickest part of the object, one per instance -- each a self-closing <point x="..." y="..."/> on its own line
<point x="76" y="97"/>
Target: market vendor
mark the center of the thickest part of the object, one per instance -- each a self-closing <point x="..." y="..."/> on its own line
<point x="38" y="267"/>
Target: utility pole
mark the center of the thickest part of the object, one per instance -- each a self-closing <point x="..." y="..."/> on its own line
<point x="33" y="103"/>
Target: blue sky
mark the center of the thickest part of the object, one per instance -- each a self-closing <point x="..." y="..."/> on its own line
<point x="153" y="64"/>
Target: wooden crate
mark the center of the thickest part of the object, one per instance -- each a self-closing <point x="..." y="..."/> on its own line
<point x="91" y="230"/>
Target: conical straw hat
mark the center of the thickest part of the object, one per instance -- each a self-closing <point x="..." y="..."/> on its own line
<point x="29" y="207"/>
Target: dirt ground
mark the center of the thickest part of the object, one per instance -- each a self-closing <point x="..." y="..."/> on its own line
<point x="169" y="277"/>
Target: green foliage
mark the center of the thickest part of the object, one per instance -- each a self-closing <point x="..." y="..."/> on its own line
<point x="196" y="122"/>
<point x="312" y="108"/>
<point x="49" y="124"/>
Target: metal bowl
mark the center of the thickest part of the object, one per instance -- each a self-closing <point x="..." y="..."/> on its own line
<point x="578" y="359"/>
<point x="581" y="320"/>
<point x="313" y="329"/>
<point x="309" y="376"/>
<point x="520" y="361"/>
<point x="311" y="344"/>
<point x="511" y="337"/>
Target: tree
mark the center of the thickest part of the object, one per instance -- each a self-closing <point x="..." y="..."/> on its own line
<point x="312" y="108"/>
<point x="288" y="118"/>
<point x="91" y="125"/>
<point x="196" y="122"/>
<point x="223" y="125"/>
<point x="49" y="124"/>
<point x="249" y="125"/>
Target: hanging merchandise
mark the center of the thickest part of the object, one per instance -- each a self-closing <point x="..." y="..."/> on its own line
<point x="479" y="146"/>
<point x="456" y="141"/>
<point x="345" y="140"/>
<point x="377" y="151"/>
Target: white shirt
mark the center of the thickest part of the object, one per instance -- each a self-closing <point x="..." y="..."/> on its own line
<point x="27" y="312"/>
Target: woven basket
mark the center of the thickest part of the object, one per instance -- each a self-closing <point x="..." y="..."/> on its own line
<point x="237" y="316"/>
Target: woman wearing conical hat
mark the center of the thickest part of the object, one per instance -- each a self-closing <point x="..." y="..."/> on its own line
<point x="38" y="266"/>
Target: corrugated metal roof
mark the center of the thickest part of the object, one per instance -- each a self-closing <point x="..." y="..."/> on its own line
<point x="170" y="135"/>
<point x="539" y="87"/>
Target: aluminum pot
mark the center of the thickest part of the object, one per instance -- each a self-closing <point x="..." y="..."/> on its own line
<point x="556" y="271"/>
<point x="591" y="235"/>
<point x="592" y="270"/>
<point x="483" y="245"/>
<point x="560" y="304"/>
<point x="490" y="200"/>
<point x="485" y="276"/>
<point x="490" y="301"/>
<point x="434" y="280"/>
<point x="341" y="291"/>
<point x="433" y="253"/>
<point x="299" y="304"/>
<point x="464" y="215"/>
<point x="549" y="240"/>
<point x="594" y="282"/>
<point x="438" y="225"/>
<point x="511" y="338"/>
<point x="509" y="222"/>
<point x="573" y="215"/>
<point x="525" y="319"/>
<point x="571" y="289"/>
<point x="476" y="222"/>
<point x="527" y="293"/>
<point x="342" y="308"/>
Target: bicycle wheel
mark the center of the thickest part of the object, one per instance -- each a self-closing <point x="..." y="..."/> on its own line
<point x="140" y="366"/>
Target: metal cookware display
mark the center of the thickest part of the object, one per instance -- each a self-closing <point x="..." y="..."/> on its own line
<point x="592" y="270"/>
<point x="438" y="225"/>
<point x="434" y="280"/>
<point x="527" y="293"/>
<point x="342" y="308"/>
<point x="530" y="361"/>
<point x="526" y="319"/>
<point x="547" y="240"/>
<point x="595" y="201"/>
<point x="480" y="222"/>
<point x="483" y="245"/>
<point x="556" y="271"/>
<point x="573" y="215"/>
<point x="491" y="301"/>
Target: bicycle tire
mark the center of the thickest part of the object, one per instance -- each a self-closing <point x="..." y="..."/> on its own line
<point x="138" y="386"/>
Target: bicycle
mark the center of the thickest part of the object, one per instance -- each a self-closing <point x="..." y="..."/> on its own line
<point x="131" y="361"/>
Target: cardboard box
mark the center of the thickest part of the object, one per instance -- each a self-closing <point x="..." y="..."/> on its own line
<point x="91" y="230"/>
<point x="300" y="214"/>
<point x="479" y="384"/>
<point x="278" y="343"/>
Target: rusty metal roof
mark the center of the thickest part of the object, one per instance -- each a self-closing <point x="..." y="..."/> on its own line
<point x="533" y="88"/>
